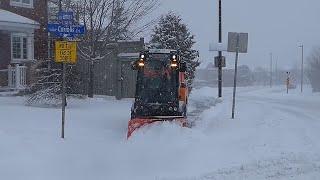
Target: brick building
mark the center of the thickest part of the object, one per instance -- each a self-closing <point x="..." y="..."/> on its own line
<point x="23" y="40"/>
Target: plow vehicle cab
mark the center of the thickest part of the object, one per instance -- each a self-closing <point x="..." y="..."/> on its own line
<point x="161" y="91"/>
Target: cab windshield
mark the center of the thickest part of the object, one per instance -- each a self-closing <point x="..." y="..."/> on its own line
<point x="158" y="82"/>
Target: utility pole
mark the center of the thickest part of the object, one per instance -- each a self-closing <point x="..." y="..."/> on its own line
<point x="220" y="52"/>
<point x="271" y="70"/>
<point x="302" y="63"/>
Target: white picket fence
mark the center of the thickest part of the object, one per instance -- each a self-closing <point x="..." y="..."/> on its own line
<point x="17" y="77"/>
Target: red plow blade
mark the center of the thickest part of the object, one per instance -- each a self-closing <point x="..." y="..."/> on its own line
<point x="137" y="123"/>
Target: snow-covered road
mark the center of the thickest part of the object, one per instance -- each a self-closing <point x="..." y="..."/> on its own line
<point x="274" y="136"/>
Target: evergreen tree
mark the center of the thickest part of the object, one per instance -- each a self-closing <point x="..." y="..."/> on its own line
<point x="172" y="33"/>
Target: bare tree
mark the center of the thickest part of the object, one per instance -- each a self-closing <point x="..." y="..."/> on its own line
<point x="314" y="69"/>
<point x="107" y="21"/>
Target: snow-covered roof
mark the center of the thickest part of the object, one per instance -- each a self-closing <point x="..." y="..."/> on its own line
<point x="12" y="20"/>
<point x="129" y="40"/>
<point x="161" y="51"/>
<point x="129" y="55"/>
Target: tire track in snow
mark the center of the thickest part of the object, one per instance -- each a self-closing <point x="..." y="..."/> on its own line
<point x="307" y="121"/>
<point x="288" y="166"/>
<point x="199" y="106"/>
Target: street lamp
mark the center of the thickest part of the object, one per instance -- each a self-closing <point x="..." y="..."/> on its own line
<point x="302" y="63"/>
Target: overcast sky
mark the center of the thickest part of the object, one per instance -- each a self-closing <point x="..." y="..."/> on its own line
<point x="277" y="26"/>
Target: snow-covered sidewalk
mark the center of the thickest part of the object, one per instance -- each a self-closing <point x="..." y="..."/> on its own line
<point x="274" y="136"/>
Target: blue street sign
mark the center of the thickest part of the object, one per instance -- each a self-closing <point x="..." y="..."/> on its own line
<point x="65" y="16"/>
<point x="62" y="30"/>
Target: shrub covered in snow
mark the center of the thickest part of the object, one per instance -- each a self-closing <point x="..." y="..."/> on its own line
<point x="46" y="97"/>
<point x="46" y="89"/>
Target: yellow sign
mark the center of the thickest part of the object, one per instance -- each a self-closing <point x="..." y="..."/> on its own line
<point x="65" y="52"/>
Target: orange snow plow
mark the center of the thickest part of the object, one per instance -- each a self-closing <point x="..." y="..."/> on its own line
<point x="161" y="92"/>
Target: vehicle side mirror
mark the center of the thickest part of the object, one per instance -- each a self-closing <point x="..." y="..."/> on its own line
<point x="183" y="67"/>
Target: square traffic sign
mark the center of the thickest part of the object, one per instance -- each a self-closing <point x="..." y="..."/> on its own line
<point x="65" y="52"/>
<point x="237" y="42"/>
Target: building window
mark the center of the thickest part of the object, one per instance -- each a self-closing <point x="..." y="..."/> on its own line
<point x="19" y="47"/>
<point x="22" y="3"/>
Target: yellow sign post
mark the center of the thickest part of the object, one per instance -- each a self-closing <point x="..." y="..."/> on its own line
<point x="65" y="52"/>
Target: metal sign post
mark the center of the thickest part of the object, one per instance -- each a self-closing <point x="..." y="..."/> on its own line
<point x="235" y="77"/>
<point x="238" y="43"/>
<point x="63" y="94"/>
<point x="63" y="98"/>
<point x="65" y="51"/>
<point x="288" y="82"/>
